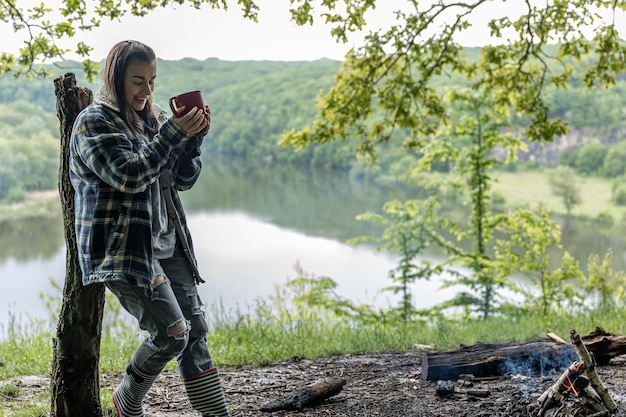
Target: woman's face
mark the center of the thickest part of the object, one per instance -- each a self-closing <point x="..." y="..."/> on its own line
<point x="139" y="83"/>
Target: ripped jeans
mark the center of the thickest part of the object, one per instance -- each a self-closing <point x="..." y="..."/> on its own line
<point x="173" y="314"/>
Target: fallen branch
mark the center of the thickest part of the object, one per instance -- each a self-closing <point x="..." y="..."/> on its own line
<point x="308" y="396"/>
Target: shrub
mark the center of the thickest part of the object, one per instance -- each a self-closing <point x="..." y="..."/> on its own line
<point x="618" y="192"/>
<point x="16" y="194"/>
<point x="591" y="158"/>
<point x="605" y="219"/>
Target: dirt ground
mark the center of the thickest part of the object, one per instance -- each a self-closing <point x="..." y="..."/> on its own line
<point x="386" y="384"/>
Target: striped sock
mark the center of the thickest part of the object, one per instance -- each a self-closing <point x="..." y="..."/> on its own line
<point x="206" y="395"/>
<point x="130" y="392"/>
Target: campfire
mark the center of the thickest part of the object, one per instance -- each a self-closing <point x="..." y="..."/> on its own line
<point x="578" y="392"/>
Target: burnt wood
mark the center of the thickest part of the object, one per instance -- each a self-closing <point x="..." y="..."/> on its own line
<point x="496" y="359"/>
<point x="604" y="345"/>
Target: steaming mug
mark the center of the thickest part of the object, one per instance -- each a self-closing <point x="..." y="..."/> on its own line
<point x="190" y="100"/>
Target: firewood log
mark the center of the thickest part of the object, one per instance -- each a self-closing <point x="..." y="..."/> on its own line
<point x="553" y="395"/>
<point x="590" y="369"/>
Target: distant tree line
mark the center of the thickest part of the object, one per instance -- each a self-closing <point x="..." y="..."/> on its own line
<point x="254" y="102"/>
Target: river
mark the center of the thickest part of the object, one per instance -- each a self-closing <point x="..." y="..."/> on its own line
<point x="251" y="228"/>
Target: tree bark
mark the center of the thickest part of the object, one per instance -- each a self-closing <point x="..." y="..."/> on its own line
<point x="486" y="360"/>
<point x="604" y="345"/>
<point x="493" y="359"/>
<point x="76" y="347"/>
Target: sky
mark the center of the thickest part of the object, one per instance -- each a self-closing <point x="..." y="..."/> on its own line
<point x="180" y="32"/>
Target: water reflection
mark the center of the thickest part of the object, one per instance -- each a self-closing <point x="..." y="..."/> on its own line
<point x="241" y="258"/>
<point x="29" y="239"/>
<point x="250" y="226"/>
<point x="319" y="203"/>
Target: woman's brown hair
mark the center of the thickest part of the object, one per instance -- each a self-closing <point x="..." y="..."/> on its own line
<point x="120" y="56"/>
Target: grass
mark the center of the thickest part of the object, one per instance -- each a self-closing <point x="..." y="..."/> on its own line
<point x="259" y="340"/>
<point x="532" y="187"/>
<point x="282" y="332"/>
<point x="274" y="333"/>
<point x="36" y="204"/>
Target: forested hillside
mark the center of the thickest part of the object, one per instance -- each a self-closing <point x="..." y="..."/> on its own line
<point x="252" y="103"/>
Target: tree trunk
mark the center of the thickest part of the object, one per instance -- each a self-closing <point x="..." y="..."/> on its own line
<point x="76" y="347"/>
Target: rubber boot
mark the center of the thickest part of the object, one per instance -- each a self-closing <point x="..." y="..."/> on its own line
<point x="206" y="395"/>
<point x="129" y="394"/>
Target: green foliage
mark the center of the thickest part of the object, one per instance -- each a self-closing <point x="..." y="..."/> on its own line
<point x="393" y="90"/>
<point x="568" y="157"/>
<point x="253" y="103"/>
<point x="306" y="319"/>
<point x="9" y="390"/>
<point x="498" y="199"/>
<point x="43" y="29"/>
<point x="618" y="191"/>
<point x="566" y="185"/>
<point x="16" y="194"/>
<point x="604" y="219"/>
<point x="590" y="159"/>
<point x="309" y="294"/>
<point x="406" y="234"/>
<point x="26" y="351"/>
<point x="279" y="330"/>
<point x="395" y="70"/>
<point x="467" y="141"/>
<point x="603" y="289"/>
<point x="615" y="161"/>
<point x="28" y="151"/>
<point x="527" y="237"/>
<point x="388" y="84"/>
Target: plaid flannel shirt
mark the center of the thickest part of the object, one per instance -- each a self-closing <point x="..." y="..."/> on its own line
<point x="111" y="170"/>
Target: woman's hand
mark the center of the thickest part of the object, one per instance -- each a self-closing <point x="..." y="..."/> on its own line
<point x="194" y="122"/>
<point x="207" y="113"/>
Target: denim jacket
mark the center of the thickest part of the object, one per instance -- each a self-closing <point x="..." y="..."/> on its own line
<point x="111" y="170"/>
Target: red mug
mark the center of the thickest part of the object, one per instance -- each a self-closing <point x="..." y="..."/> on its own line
<point x="190" y="100"/>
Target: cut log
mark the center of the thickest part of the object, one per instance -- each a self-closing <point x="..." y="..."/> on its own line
<point x="491" y="359"/>
<point x="308" y="396"/>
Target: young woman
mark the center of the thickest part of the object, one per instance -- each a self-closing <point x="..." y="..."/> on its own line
<point x="128" y="162"/>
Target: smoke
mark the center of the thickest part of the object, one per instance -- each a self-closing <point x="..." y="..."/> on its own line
<point x="528" y="369"/>
<point x="538" y="365"/>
